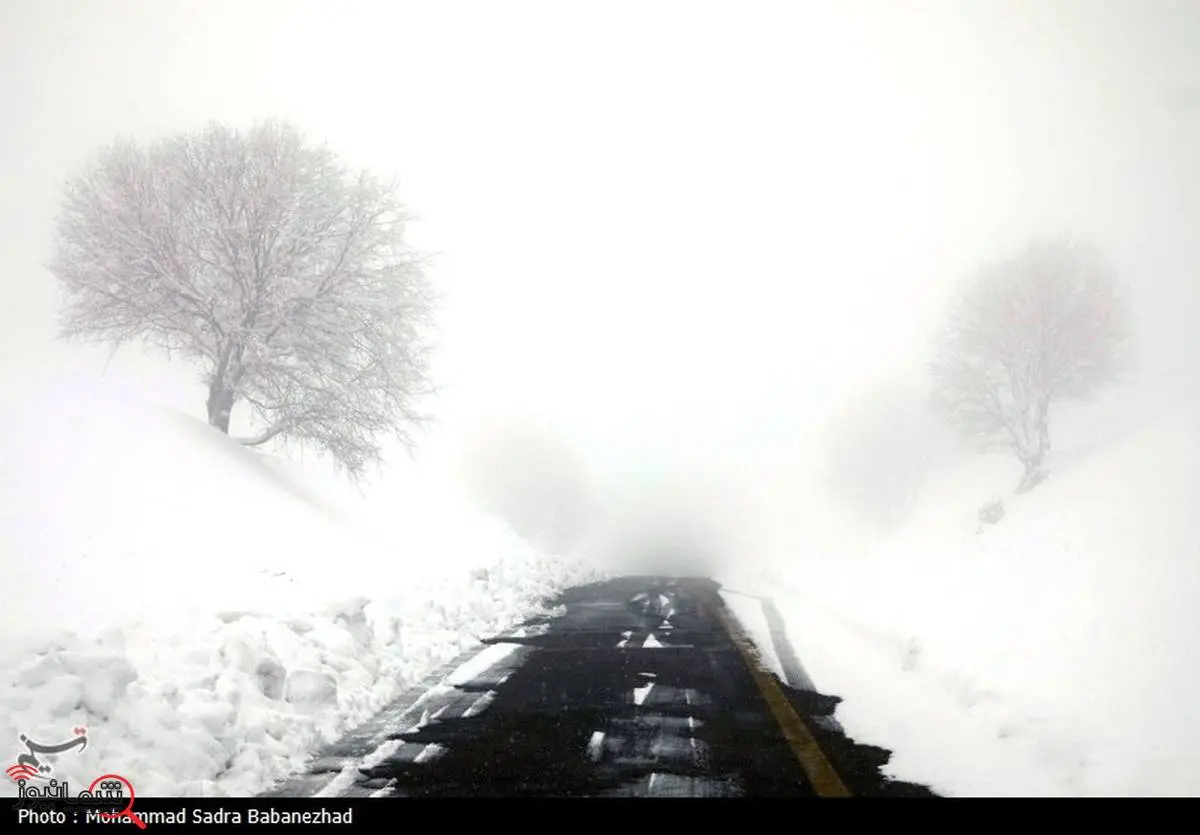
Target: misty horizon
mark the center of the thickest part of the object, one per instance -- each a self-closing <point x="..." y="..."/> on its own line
<point x="659" y="258"/>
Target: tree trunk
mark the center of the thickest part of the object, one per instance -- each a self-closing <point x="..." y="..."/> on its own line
<point x="1034" y="475"/>
<point x="220" y="405"/>
<point x="1044" y="427"/>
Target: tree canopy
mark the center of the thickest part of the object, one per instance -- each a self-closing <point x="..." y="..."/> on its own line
<point x="1045" y="325"/>
<point x="282" y="273"/>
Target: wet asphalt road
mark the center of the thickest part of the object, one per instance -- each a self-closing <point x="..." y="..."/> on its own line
<point x="635" y="687"/>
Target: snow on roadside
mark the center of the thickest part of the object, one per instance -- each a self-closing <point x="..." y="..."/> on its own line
<point x="201" y="613"/>
<point x="1049" y="654"/>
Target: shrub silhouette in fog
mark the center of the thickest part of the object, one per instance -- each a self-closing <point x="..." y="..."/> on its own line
<point x="531" y="478"/>
<point x="879" y="448"/>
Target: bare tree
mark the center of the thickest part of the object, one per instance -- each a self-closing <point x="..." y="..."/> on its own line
<point x="257" y="255"/>
<point x="1046" y="325"/>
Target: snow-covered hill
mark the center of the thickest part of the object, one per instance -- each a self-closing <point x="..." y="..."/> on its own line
<point x="1052" y="653"/>
<point x="208" y="613"/>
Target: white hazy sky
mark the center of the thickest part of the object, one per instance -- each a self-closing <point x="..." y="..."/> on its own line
<point x="660" y="226"/>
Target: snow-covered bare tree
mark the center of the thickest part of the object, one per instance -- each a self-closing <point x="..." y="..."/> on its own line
<point x="1046" y="325"/>
<point x="256" y="254"/>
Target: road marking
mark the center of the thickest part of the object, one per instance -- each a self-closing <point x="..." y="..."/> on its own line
<point x="386" y="791"/>
<point x="687" y="700"/>
<point x="430" y="752"/>
<point x="422" y="722"/>
<point x="640" y="693"/>
<point x="825" y="780"/>
<point x="480" y="663"/>
<point x="651" y="642"/>
<point x="480" y="705"/>
<point x="348" y="776"/>
<point x="595" y="746"/>
<point x="341" y="782"/>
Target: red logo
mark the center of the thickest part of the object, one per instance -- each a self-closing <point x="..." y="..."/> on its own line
<point x="127" y="812"/>
<point x="21" y="771"/>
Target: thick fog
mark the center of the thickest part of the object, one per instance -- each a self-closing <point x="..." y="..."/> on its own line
<point x="675" y="242"/>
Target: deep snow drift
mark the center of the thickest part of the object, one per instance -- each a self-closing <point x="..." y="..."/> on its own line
<point x="1052" y="653"/>
<point x="207" y="615"/>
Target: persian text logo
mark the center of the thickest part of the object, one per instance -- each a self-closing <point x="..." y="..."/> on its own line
<point x="105" y="792"/>
<point x="29" y="767"/>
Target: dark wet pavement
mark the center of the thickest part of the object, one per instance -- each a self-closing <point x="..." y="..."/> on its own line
<point x="635" y="687"/>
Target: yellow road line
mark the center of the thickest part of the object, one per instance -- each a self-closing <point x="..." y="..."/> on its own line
<point x="825" y="780"/>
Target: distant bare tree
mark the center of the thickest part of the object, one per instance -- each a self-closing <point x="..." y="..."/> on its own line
<point x="256" y="254"/>
<point x="1044" y="326"/>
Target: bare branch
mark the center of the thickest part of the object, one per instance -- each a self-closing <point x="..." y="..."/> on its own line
<point x="255" y="254"/>
<point x="1044" y="326"/>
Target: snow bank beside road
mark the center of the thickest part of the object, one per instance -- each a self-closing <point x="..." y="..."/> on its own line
<point x="1050" y="654"/>
<point x="204" y="614"/>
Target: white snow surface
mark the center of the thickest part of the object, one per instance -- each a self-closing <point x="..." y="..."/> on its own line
<point x="203" y="610"/>
<point x="1053" y="653"/>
